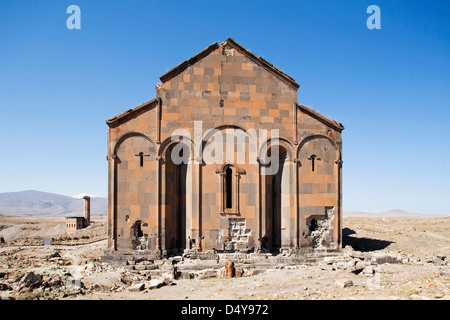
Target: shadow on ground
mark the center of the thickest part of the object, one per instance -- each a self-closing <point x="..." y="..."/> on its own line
<point x="362" y="244"/>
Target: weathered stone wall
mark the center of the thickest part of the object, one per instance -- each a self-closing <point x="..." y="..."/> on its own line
<point x="228" y="89"/>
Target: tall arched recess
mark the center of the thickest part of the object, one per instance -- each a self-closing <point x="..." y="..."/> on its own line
<point x="175" y="191"/>
<point x="319" y="188"/>
<point x="277" y="196"/>
<point x="275" y="203"/>
<point x="134" y="192"/>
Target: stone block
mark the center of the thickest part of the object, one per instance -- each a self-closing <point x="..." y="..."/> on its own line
<point x="369" y="270"/>
<point x="140" y="267"/>
<point x="344" y="283"/>
<point x="156" y="283"/>
<point x="230" y="271"/>
<point x="137" y="287"/>
<point x="207" y="274"/>
<point x="360" y="265"/>
<point x="381" y="258"/>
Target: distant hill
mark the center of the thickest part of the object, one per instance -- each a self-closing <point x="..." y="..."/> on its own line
<point x="36" y="203"/>
<point x="395" y="213"/>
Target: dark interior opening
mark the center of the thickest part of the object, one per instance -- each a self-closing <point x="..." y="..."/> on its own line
<point x="139" y="230"/>
<point x="313" y="225"/>
<point x="228" y="188"/>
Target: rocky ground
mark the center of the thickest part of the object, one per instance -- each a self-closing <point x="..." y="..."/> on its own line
<point x="390" y="258"/>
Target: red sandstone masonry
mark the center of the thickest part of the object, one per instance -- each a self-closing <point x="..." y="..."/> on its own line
<point x="228" y="88"/>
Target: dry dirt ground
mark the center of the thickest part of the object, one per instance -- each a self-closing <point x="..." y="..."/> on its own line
<point x="383" y="258"/>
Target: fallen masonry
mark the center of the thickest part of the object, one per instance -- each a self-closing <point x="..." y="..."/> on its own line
<point x="141" y="273"/>
<point x="230" y="265"/>
<point x="202" y="266"/>
<point x="359" y="262"/>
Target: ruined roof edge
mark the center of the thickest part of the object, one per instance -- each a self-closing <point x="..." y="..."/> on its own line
<point x="320" y="117"/>
<point x="127" y="115"/>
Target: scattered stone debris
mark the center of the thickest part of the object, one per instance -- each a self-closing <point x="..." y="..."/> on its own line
<point x="80" y="272"/>
<point x="31" y="280"/>
<point x="359" y="262"/>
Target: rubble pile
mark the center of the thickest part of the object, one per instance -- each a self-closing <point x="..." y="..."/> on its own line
<point x="368" y="263"/>
<point x="60" y="278"/>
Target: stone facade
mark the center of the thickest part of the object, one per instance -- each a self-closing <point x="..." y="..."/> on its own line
<point x="73" y="224"/>
<point x="277" y="187"/>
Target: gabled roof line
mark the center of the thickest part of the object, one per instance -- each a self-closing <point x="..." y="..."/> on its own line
<point x="258" y="60"/>
<point x="264" y="63"/>
<point x="131" y="113"/>
<point x="315" y="114"/>
<point x="184" y="65"/>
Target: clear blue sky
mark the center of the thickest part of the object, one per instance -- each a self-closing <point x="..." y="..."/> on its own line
<point x="389" y="87"/>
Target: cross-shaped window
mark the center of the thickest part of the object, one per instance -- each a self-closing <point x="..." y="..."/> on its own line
<point x="313" y="159"/>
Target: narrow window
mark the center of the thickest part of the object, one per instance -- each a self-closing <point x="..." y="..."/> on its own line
<point x="228" y="188"/>
<point x="141" y="158"/>
<point x="313" y="157"/>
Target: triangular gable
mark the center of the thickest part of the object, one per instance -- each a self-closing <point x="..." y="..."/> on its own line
<point x="258" y="60"/>
<point x="131" y="113"/>
<point x="318" y="116"/>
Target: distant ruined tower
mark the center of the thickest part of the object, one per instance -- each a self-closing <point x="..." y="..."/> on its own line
<point x="75" y="223"/>
<point x="87" y="211"/>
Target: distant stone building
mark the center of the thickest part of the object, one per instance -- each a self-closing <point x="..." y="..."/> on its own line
<point x="75" y="223"/>
<point x="176" y="186"/>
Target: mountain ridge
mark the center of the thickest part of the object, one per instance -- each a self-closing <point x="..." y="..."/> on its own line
<point x="33" y="203"/>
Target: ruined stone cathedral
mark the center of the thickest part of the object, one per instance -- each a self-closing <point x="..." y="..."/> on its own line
<point x="224" y="159"/>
